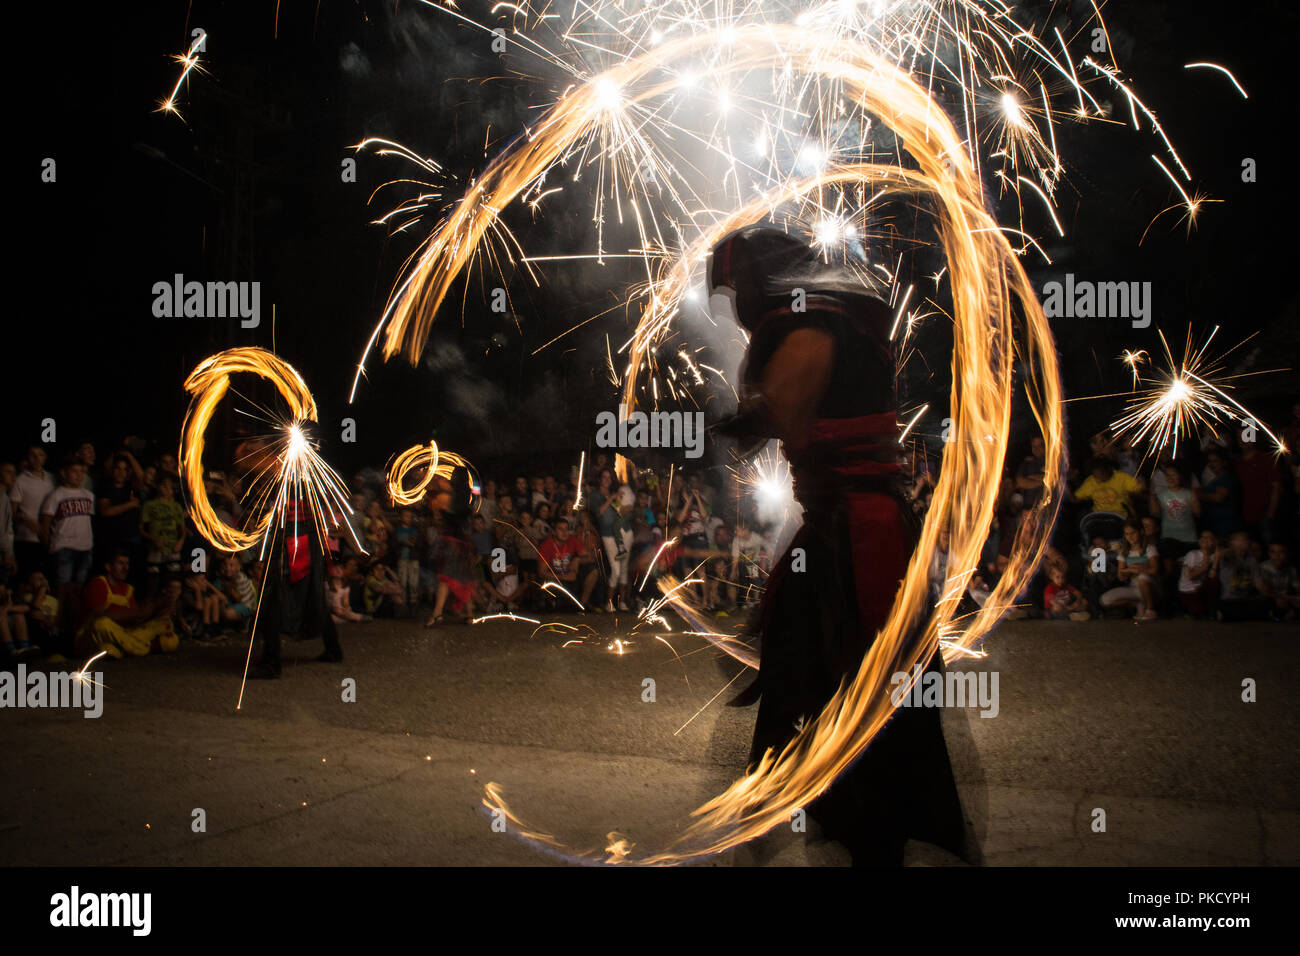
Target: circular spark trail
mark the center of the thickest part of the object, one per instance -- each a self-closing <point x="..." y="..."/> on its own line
<point x="435" y="463"/>
<point x="997" y="320"/>
<point x="207" y="385"/>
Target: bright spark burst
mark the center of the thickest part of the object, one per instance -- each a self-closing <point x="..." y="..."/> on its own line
<point x="1182" y="399"/>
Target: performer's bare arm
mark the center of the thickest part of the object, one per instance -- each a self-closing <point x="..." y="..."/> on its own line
<point x="794" y="380"/>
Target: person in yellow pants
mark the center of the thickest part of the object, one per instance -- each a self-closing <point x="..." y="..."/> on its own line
<point x="115" y="623"/>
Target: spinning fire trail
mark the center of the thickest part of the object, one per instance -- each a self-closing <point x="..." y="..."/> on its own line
<point x="997" y="320"/>
<point x="286" y="469"/>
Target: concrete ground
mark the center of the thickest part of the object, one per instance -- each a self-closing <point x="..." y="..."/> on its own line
<point x="1146" y="722"/>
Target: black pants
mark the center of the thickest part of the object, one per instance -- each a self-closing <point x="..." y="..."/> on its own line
<point x="280" y="599"/>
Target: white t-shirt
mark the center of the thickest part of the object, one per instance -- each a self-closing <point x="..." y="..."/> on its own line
<point x="71" y="508"/>
<point x="27" y="495"/>
<point x="1132" y="561"/>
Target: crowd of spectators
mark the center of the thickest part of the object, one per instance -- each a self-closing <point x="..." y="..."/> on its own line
<point x="102" y="554"/>
<point x="1207" y="534"/>
<point x="547" y="543"/>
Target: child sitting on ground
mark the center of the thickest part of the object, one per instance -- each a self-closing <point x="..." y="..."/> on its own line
<point x="1061" y="601"/>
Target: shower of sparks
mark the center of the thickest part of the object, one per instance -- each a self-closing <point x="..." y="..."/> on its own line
<point x="1181" y="400"/>
<point x="672" y="113"/>
<point x="687" y="119"/>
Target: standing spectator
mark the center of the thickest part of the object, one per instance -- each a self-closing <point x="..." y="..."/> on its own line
<point x="86" y="455"/>
<point x="68" y="536"/>
<point x="167" y="469"/>
<point x="1261" y="491"/>
<point x="406" y="539"/>
<point x="1109" y="490"/>
<point x="162" y="525"/>
<point x="613" y="521"/>
<point x="1177" y="509"/>
<point x="1220" y="496"/>
<point x="29" y="492"/>
<point x="118" y="513"/>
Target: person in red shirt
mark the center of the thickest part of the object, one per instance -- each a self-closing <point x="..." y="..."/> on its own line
<point x="1261" y="489"/>
<point x="115" y="623"/>
<point x="1062" y="601"/>
<point x="559" y="557"/>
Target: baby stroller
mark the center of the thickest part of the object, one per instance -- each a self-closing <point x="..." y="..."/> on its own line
<point x="1100" y="524"/>
<point x="1109" y="527"/>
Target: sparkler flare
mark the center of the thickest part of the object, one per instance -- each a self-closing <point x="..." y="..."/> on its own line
<point x="1183" y="399"/>
<point x="189" y="61"/>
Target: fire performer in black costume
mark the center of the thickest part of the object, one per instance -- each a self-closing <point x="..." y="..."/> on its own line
<point x="293" y="582"/>
<point x="819" y="376"/>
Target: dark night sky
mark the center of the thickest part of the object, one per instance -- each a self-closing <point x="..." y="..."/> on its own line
<point x="249" y="188"/>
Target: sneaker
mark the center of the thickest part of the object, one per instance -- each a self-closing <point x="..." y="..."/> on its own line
<point x="609" y="607"/>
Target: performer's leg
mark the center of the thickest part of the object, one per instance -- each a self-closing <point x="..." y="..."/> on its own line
<point x="269" y="619"/>
<point x="330" y="633"/>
